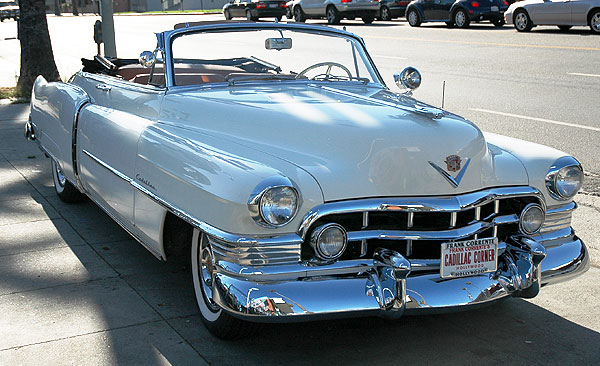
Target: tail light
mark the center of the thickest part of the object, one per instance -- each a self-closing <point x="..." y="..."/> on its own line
<point x="261" y="6"/>
<point x="282" y="5"/>
<point x="346" y="1"/>
<point x="506" y="3"/>
<point x="475" y="4"/>
<point x="403" y="2"/>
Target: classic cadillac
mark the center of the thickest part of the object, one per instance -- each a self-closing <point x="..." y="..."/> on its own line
<point x="300" y="185"/>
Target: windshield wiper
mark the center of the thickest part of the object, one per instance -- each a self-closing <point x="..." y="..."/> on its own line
<point x="236" y="79"/>
<point x="326" y="77"/>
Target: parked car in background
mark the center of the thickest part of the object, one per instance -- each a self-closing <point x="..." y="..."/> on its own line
<point x="565" y="14"/>
<point x="9" y="10"/>
<point x="254" y="9"/>
<point x="390" y="9"/>
<point x="300" y="186"/>
<point x="459" y="13"/>
<point x="288" y="10"/>
<point x="336" y="10"/>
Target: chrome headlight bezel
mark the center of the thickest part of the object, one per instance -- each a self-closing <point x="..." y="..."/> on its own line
<point x="255" y="202"/>
<point x="553" y="177"/>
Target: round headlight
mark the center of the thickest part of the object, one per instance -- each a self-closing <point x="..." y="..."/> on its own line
<point x="329" y="241"/>
<point x="565" y="178"/>
<point x="278" y="205"/>
<point x="532" y="219"/>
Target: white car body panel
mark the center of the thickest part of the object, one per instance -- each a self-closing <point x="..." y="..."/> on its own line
<point x="554" y="12"/>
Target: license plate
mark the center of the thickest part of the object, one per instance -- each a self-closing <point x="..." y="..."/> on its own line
<point x="276" y="5"/>
<point x="494" y="8"/>
<point x="469" y="257"/>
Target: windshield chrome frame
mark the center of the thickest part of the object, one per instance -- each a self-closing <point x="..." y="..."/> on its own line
<point x="168" y="36"/>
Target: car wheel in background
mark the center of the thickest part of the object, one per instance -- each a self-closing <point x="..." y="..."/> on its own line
<point x="288" y="13"/>
<point x="461" y="18"/>
<point x="333" y="16"/>
<point x="413" y="18"/>
<point x="249" y="15"/>
<point x="218" y="322"/>
<point x="564" y="28"/>
<point x="368" y="19"/>
<point x="227" y="14"/>
<point x="299" y="14"/>
<point x="498" y="22"/>
<point x="522" y="21"/>
<point x="64" y="189"/>
<point x="384" y="13"/>
<point x="595" y="21"/>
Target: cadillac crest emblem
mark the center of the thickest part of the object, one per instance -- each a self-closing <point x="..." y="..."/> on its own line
<point x="453" y="163"/>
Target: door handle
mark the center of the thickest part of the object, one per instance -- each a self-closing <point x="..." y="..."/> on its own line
<point x="103" y="87"/>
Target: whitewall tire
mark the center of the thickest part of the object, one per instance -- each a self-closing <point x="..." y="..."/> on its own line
<point x="64" y="189"/>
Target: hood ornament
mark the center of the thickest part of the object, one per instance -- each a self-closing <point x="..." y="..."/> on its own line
<point x="453" y="165"/>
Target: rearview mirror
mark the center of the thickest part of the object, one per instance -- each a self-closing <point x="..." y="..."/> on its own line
<point x="278" y="43"/>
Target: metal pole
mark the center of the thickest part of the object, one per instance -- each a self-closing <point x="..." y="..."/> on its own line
<point x="108" y="28"/>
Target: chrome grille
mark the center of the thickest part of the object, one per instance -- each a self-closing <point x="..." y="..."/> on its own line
<point x="415" y="227"/>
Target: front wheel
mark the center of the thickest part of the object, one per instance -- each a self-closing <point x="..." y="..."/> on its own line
<point x="384" y="13"/>
<point x="249" y="15"/>
<point x="498" y="22"/>
<point x="218" y="322"/>
<point x="227" y="14"/>
<point x="64" y="189"/>
<point x="595" y="22"/>
<point x="299" y="15"/>
<point x="413" y="17"/>
<point x="522" y="21"/>
<point x="368" y="19"/>
<point x="461" y="18"/>
<point x="333" y="16"/>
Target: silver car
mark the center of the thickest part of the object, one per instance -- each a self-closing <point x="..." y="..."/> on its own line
<point x="336" y="10"/>
<point x="563" y="13"/>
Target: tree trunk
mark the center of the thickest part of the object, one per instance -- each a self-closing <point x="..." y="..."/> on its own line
<point x="75" y="7"/>
<point x="36" y="49"/>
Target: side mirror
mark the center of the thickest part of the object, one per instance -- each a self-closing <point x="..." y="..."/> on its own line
<point x="147" y="59"/>
<point x="409" y="79"/>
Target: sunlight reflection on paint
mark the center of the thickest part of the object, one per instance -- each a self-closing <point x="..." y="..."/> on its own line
<point x="300" y="109"/>
<point x="348" y="110"/>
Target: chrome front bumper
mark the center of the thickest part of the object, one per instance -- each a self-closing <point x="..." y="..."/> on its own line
<point x="384" y="285"/>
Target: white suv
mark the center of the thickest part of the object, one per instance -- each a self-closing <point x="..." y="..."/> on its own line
<point x="335" y="10"/>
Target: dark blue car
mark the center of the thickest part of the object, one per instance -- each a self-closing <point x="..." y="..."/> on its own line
<point x="459" y="13"/>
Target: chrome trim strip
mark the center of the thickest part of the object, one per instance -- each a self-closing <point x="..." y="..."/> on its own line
<point x="418" y="204"/>
<point x="285" y="239"/>
<point x="124" y="84"/>
<point x="459" y="233"/>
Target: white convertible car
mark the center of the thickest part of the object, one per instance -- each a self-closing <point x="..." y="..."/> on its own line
<point x="301" y="186"/>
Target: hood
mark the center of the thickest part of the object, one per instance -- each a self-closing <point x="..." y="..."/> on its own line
<point x="356" y="142"/>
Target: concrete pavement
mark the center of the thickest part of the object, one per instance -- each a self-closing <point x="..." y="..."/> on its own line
<point x="76" y="289"/>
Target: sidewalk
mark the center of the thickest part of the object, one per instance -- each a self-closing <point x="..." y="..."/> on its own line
<point x="75" y="289"/>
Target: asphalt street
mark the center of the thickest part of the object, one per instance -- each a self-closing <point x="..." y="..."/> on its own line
<point x="76" y="289"/>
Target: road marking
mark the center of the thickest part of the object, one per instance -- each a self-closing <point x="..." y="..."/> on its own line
<point x="580" y="74"/>
<point x="393" y="57"/>
<point x="487" y="43"/>
<point x="537" y="119"/>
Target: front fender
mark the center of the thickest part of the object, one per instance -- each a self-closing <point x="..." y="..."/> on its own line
<point x="212" y="179"/>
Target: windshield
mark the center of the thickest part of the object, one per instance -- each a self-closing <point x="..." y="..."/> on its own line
<point x="236" y="56"/>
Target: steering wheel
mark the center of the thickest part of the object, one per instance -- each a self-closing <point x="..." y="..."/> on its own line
<point x="329" y="64"/>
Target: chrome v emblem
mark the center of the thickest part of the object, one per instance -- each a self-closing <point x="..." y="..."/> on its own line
<point x="453" y="181"/>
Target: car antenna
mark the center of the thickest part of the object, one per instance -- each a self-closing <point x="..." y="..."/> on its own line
<point x="443" y="92"/>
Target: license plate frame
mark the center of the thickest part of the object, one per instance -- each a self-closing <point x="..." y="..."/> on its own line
<point x="495" y="8"/>
<point x="468" y="257"/>
<point x="272" y="6"/>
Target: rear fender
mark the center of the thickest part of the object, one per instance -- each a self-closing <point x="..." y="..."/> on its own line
<point x="55" y="108"/>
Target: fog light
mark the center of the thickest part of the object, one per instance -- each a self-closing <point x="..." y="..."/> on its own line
<point x="532" y="219"/>
<point x="329" y="241"/>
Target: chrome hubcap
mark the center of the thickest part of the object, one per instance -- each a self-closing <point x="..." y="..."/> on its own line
<point x="60" y="176"/>
<point x="412" y="18"/>
<point x="460" y="19"/>
<point x="384" y="14"/>
<point x="206" y="272"/>
<point x="330" y="16"/>
<point x="596" y="22"/>
<point x="521" y="21"/>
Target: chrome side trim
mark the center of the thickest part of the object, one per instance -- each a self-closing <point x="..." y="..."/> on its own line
<point x="272" y="240"/>
<point x="74" y="130"/>
<point x="417" y="204"/>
